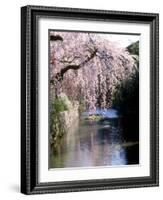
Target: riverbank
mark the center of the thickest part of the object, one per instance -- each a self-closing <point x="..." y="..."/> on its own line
<point x="63" y="115"/>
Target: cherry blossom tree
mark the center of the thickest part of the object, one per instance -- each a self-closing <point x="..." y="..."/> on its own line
<point x="87" y="67"/>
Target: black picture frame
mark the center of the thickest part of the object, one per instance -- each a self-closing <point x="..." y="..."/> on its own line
<point x="29" y="100"/>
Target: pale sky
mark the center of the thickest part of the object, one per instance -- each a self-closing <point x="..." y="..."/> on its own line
<point x="122" y="40"/>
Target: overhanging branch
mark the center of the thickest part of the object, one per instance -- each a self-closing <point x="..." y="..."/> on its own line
<point x="59" y="75"/>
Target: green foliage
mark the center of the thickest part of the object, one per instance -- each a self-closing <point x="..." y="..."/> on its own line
<point x="59" y="105"/>
<point x="56" y="129"/>
<point x="134" y="48"/>
<point x="126" y="95"/>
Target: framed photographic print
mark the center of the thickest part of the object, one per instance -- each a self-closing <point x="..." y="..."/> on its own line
<point x="89" y="99"/>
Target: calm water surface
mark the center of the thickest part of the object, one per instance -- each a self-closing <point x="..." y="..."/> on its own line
<point x="93" y="143"/>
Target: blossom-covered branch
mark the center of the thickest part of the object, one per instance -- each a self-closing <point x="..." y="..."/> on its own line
<point x="59" y="76"/>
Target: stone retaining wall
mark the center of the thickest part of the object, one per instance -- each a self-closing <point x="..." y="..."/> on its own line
<point x="67" y="118"/>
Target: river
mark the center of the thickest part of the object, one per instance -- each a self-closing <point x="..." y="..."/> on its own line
<point x="91" y="143"/>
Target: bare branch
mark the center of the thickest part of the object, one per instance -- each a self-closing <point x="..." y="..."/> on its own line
<point x="55" y="38"/>
<point x="68" y="61"/>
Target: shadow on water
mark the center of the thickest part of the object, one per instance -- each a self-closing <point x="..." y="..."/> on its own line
<point x="132" y="154"/>
<point x="106" y="142"/>
<point x="130" y="125"/>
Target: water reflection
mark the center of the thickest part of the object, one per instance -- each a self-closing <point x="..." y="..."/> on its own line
<point x="94" y="144"/>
